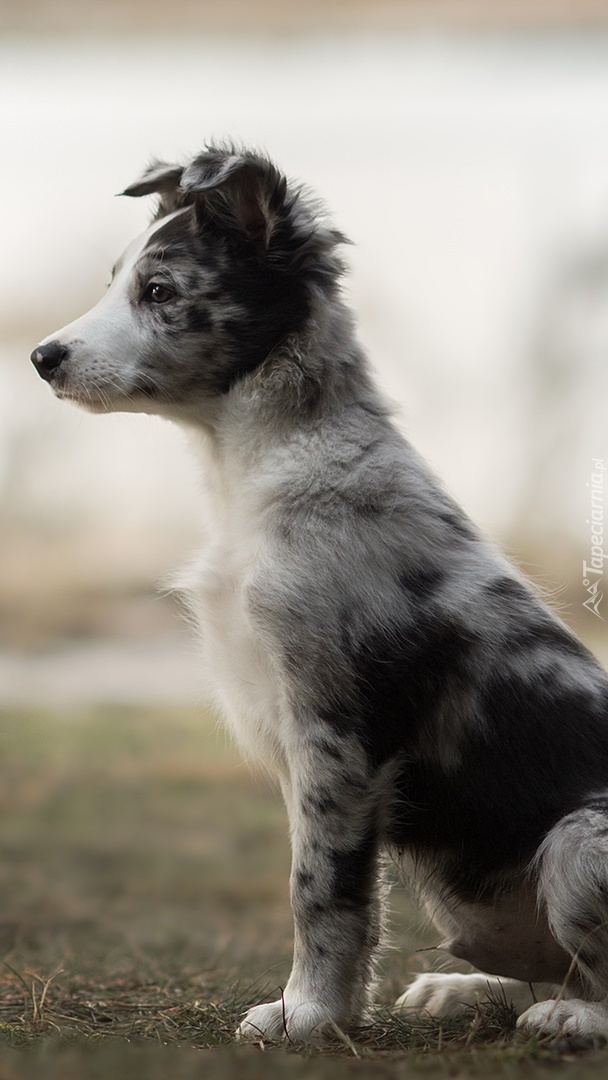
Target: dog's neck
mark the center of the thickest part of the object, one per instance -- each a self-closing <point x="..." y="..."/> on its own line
<point x="273" y="435"/>
<point x="304" y="382"/>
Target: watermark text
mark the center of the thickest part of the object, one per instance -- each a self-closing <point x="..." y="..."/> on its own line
<point x="593" y="569"/>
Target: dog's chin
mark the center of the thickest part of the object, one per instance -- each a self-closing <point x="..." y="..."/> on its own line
<point x="95" y="399"/>
<point x="91" y="400"/>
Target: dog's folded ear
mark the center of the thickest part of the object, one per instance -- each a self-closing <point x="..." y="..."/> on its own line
<point x="244" y="196"/>
<point x="161" y="179"/>
<point x="241" y="193"/>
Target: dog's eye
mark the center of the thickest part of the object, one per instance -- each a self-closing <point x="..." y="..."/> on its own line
<point x="158" y="294"/>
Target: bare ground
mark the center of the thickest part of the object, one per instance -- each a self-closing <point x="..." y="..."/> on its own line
<point x="143" y="875"/>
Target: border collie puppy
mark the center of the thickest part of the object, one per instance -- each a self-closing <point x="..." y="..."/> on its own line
<point x="403" y="682"/>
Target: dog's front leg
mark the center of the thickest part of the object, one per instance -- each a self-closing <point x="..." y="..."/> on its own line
<point x="332" y="800"/>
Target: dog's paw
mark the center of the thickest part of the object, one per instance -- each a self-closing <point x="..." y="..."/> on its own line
<point x="574" y="1017"/>
<point x="449" y="995"/>
<point x="292" y="1020"/>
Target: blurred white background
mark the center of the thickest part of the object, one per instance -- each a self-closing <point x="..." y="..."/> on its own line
<point x="469" y="165"/>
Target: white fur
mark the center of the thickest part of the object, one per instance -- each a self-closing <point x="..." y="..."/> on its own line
<point x="109" y="342"/>
<point x="448" y="995"/>
<point x="292" y="1017"/>
<point x="573" y="1017"/>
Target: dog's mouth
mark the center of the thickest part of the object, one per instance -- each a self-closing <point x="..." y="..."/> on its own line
<point x="107" y="399"/>
<point x="90" y="395"/>
<point x="86" y="384"/>
<point x="91" y="399"/>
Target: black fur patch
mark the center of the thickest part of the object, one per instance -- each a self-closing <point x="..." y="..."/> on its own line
<point x="527" y="624"/>
<point x="588" y="959"/>
<point x="257" y="305"/>
<point x="422" y="583"/>
<point x="403" y="677"/>
<point x="534" y="742"/>
<point x="458" y="522"/>
<point x="304" y="879"/>
<point x="541" y="746"/>
<point x="354" y="873"/>
<point x="407" y="672"/>
<point x="199" y="320"/>
<point x="328" y="749"/>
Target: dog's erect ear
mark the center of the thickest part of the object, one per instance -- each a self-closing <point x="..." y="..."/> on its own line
<point x="242" y="193"/>
<point x="163" y="180"/>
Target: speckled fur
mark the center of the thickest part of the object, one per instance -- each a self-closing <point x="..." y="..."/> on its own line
<point x="405" y="684"/>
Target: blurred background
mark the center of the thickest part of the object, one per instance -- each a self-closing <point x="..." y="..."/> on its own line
<point x="463" y="146"/>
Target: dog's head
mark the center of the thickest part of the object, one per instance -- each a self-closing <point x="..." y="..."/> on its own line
<point x="227" y="270"/>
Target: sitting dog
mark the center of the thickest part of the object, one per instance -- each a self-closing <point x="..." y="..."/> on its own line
<point x="407" y="687"/>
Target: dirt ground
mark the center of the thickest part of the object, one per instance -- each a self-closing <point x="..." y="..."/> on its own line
<point x="143" y="876"/>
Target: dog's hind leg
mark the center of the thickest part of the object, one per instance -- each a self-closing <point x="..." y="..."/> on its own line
<point x="573" y="887"/>
<point x="333" y="799"/>
<point x="507" y="938"/>
<point x="449" y="994"/>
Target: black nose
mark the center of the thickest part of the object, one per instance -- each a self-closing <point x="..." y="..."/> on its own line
<point x="47" y="358"/>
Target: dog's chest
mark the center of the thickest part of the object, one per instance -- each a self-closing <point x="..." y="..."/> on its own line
<point x="239" y="667"/>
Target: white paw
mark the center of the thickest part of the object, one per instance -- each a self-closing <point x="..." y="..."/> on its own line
<point x="451" y="995"/>
<point x="572" y="1017"/>
<point x="293" y="1020"/>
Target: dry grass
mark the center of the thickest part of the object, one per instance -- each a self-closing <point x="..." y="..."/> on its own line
<point x="143" y="875"/>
